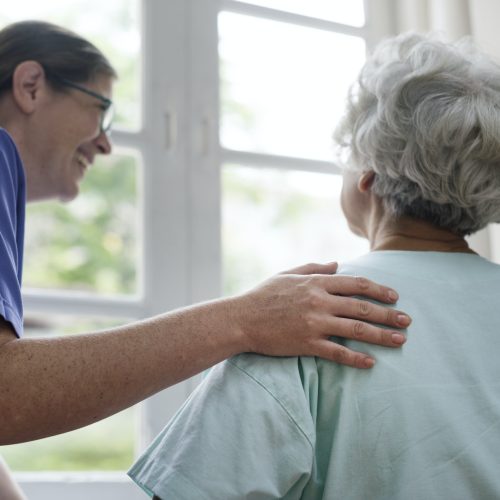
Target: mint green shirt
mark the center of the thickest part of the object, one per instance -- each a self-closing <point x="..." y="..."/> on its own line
<point x="424" y="423"/>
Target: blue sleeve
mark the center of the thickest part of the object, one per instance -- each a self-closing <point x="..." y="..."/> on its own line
<point x="12" y="210"/>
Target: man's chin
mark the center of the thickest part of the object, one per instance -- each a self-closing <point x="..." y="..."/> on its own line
<point x="69" y="194"/>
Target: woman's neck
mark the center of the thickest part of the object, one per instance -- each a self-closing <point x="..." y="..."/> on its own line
<point x="406" y="233"/>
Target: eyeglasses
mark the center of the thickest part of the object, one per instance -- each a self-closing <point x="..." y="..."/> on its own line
<point x="108" y="109"/>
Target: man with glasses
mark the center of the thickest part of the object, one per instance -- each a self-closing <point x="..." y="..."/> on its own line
<point x="55" y="115"/>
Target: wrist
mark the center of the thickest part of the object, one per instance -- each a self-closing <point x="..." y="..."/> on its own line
<point x="237" y="314"/>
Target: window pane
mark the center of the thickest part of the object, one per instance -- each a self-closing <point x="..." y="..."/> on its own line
<point x="284" y="92"/>
<point x="105" y="445"/>
<point x="93" y="243"/>
<point x="113" y="26"/>
<point x="339" y="11"/>
<point x="274" y="220"/>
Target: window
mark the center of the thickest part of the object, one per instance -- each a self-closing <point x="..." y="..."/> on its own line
<point x="281" y="95"/>
<point x="283" y="92"/>
<point x="222" y="175"/>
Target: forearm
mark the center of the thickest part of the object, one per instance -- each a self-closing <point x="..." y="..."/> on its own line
<point x="50" y="386"/>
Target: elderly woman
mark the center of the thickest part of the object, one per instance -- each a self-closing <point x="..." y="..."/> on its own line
<point x="422" y="170"/>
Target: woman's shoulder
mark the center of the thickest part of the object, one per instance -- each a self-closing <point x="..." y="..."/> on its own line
<point x="271" y="370"/>
<point x="392" y="266"/>
<point x="287" y="380"/>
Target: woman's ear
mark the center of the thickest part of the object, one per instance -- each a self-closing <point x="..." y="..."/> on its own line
<point x="365" y="182"/>
<point x="28" y="81"/>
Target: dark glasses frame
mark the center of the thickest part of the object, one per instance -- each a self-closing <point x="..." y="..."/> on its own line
<point x="108" y="107"/>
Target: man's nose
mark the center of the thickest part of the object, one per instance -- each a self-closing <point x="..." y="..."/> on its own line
<point x="103" y="143"/>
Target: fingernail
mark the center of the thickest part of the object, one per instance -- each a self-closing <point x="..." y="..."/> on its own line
<point x="393" y="295"/>
<point x="403" y="319"/>
<point x="369" y="362"/>
<point x="397" y="338"/>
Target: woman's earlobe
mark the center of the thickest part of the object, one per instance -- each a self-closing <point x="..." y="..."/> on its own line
<point x="366" y="180"/>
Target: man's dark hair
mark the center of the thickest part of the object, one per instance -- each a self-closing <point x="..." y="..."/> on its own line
<point x="62" y="54"/>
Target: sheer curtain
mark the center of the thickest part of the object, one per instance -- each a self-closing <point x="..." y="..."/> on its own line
<point x="449" y="17"/>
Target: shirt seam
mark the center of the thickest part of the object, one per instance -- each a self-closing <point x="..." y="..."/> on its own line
<point x="290" y="416"/>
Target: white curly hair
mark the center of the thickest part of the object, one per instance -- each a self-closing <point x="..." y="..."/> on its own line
<point x="425" y="117"/>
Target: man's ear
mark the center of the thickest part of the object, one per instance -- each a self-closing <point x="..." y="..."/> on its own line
<point x="28" y="81"/>
<point x="365" y="182"/>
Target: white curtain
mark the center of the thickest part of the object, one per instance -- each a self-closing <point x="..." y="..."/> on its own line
<point x="449" y="17"/>
<point x="454" y="19"/>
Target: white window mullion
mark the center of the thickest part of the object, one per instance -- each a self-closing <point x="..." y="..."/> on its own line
<point x="190" y="80"/>
<point x="165" y="156"/>
<point x="79" y="486"/>
<point x="204" y="152"/>
<point x="256" y="160"/>
<point x="166" y="221"/>
<point x="81" y="304"/>
<point x="290" y="18"/>
<point x="126" y="139"/>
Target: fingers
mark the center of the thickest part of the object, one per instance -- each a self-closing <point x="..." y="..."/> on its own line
<point x="347" y="307"/>
<point x="340" y="354"/>
<point x="356" y="285"/>
<point x="364" y="332"/>
<point x="330" y="268"/>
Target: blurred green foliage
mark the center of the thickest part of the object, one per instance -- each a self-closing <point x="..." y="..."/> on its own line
<point x="107" y="445"/>
<point x="91" y="243"/>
